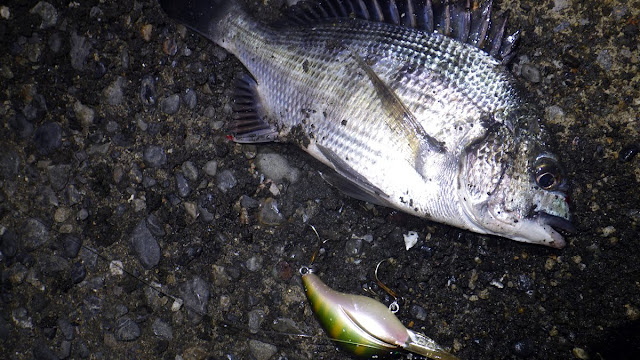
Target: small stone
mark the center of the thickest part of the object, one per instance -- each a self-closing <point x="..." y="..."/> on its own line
<point x="5" y="12"/>
<point x="182" y="185"/>
<point x="80" y="49"/>
<point x="261" y="350"/>
<point x="146" y="31"/>
<point x="191" y="208"/>
<point x="195" y="294"/>
<point x="580" y="353"/>
<point x="9" y="243"/>
<point x="523" y="348"/>
<point x="256" y="318"/>
<point x="353" y="246"/>
<point x="226" y="181"/>
<point x="127" y="329"/>
<point x="35" y="234"/>
<point x="171" y="104"/>
<point x="82" y="215"/>
<point x="190" y="99"/>
<point x="531" y="73"/>
<point x="276" y="167"/>
<point x="148" y="91"/>
<point x="418" y="312"/>
<point x="59" y="176"/>
<point x="78" y="272"/>
<point x="42" y="352"/>
<point x="47" y="12"/>
<point x="154" y="156"/>
<point x="211" y="167"/>
<point x="114" y="93"/>
<point x="84" y="113"/>
<point x="145" y="246"/>
<point x="190" y="171"/>
<point x="269" y="214"/>
<point x="254" y="263"/>
<point x="62" y="214"/>
<point x="155" y="225"/>
<point x="47" y="138"/>
<point x="67" y="330"/>
<point x="116" y="268"/>
<point x="162" y="330"/>
<point x="9" y="165"/>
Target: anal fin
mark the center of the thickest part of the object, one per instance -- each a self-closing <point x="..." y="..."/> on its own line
<point x="249" y="122"/>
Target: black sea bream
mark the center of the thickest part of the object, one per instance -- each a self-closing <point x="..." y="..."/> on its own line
<point x="408" y="102"/>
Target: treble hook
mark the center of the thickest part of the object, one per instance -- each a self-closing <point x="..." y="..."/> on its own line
<point x="394" y="307"/>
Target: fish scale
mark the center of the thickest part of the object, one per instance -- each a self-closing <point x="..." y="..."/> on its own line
<point x="423" y="122"/>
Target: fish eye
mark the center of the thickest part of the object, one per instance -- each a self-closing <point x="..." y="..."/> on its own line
<point x="547" y="173"/>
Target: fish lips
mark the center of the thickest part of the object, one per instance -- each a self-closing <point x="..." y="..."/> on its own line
<point x="556" y="223"/>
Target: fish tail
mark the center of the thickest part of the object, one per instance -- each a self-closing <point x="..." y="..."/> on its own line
<point x="207" y="17"/>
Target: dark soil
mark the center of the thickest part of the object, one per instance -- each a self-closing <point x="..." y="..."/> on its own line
<point x="87" y="114"/>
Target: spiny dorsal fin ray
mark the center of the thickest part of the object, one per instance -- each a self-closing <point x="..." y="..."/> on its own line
<point x="468" y="21"/>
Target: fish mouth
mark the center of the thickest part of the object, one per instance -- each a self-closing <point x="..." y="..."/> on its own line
<point x="553" y="223"/>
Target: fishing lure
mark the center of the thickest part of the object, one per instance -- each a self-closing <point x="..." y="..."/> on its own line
<point x="364" y="326"/>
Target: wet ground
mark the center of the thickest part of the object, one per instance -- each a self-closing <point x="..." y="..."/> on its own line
<point x="112" y="137"/>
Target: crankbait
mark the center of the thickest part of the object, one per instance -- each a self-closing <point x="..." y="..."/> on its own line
<point x="364" y="326"/>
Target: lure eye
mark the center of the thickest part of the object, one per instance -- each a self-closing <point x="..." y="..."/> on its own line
<point x="548" y="173"/>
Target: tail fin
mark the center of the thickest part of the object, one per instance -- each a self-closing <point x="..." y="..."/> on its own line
<point x="202" y="16"/>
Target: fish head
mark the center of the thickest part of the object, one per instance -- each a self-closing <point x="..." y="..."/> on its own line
<point x="511" y="186"/>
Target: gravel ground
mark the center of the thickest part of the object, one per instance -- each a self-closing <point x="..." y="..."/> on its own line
<point x="112" y="138"/>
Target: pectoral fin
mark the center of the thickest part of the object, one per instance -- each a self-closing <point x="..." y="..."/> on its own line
<point x="400" y="119"/>
<point x="249" y="124"/>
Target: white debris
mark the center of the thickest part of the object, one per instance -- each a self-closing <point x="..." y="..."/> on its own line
<point x="410" y="239"/>
<point x="177" y="304"/>
<point x="116" y="268"/>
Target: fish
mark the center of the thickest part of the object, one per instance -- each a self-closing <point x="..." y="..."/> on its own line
<point x="408" y="103"/>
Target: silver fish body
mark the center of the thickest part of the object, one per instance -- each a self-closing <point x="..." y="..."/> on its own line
<point x="407" y="118"/>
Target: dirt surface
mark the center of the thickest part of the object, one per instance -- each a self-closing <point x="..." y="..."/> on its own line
<point x="94" y="151"/>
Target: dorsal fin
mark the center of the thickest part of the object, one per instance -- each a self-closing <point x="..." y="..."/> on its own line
<point x="468" y="21"/>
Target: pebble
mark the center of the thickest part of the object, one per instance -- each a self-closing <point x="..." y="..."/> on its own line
<point x="78" y="272"/>
<point x="418" y="312"/>
<point x="523" y="348"/>
<point x="62" y="214"/>
<point x="154" y="156"/>
<point x="35" y="234"/>
<point x="605" y="60"/>
<point x="145" y="246"/>
<point x="67" y="330"/>
<point x="127" y="329"/>
<point x="80" y="49"/>
<point x="195" y="294"/>
<point x="410" y="239"/>
<point x="155" y="225"/>
<point x="42" y="352"/>
<point x="47" y="12"/>
<point x="84" y="113"/>
<point x="580" y="353"/>
<point x="256" y="318"/>
<point x="269" y="214"/>
<point x="190" y="99"/>
<point x="21" y="125"/>
<point x="59" y="176"/>
<point x="261" y="350"/>
<point x="182" y="185"/>
<point x="171" y="104"/>
<point x="114" y="93"/>
<point x="162" y="330"/>
<point x="353" y="246"/>
<point x="211" y="167"/>
<point x="190" y="171"/>
<point x="9" y="243"/>
<point x="254" y="263"/>
<point x="9" y="165"/>
<point x="47" y="138"/>
<point x="276" y="167"/>
<point x="226" y="181"/>
<point x="148" y="91"/>
<point x="531" y="73"/>
<point x="65" y="349"/>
